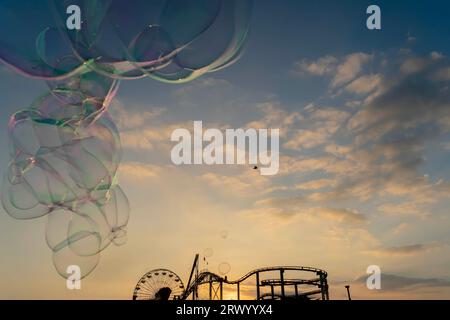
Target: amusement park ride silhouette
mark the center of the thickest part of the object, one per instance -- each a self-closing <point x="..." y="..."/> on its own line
<point x="270" y="283"/>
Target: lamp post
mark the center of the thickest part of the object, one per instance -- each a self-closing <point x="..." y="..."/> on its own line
<point x="348" y="292"/>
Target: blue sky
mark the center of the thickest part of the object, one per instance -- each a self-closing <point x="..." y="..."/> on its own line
<point x="364" y="175"/>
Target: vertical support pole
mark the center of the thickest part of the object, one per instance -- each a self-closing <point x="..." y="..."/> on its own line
<point x="322" y="286"/>
<point x="327" y="293"/>
<point x="194" y="270"/>
<point x="272" y="291"/>
<point x="238" y="291"/>
<point x="221" y="290"/>
<point x="257" y="285"/>
<point x="348" y="292"/>
<point x="296" y="290"/>
<point x="210" y="289"/>
<point x="282" y="282"/>
<point x="196" y="277"/>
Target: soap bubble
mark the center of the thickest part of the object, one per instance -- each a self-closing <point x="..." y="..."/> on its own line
<point x="224" y="234"/>
<point x="224" y="268"/>
<point x="27" y="28"/>
<point x="208" y="252"/>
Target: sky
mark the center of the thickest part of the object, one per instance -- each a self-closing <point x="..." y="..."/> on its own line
<point x="364" y="119"/>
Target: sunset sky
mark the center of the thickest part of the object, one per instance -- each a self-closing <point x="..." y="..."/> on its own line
<point x="364" y="119"/>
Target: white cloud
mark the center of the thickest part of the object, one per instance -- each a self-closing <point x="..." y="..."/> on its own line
<point x="408" y="208"/>
<point x="436" y="55"/>
<point x="350" y="68"/>
<point x="133" y="118"/>
<point x="364" y="84"/>
<point x="305" y="139"/>
<point x="316" y="184"/>
<point x="407" y="250"/>
<point x="322" y="123"/>
<point x="413" y="65"/>
<point x="320" y="67"/>
<point x="138" y="170"/>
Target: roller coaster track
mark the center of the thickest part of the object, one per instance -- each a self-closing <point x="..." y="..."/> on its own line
<point x="206" y="277"/>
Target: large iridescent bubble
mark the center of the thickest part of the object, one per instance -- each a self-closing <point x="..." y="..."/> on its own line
<point x="65" y="149"/>
<point x="169" y="40"/>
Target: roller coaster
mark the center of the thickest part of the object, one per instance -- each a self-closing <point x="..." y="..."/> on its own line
<point x="270" y="283"/>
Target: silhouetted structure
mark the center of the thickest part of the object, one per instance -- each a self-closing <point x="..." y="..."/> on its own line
<point x="348" y="292"/>
<point x="270" y="283"/>
<point x="278" y="286"/>
<point x="159" y="284"/>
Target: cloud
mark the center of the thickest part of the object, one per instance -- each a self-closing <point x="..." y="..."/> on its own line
<point x="364" y="84"/>
<point x="322" y="164"/>
<point x="237" y="181"/>
<point x="442" y="74"/>
<point x="406" y="208"/>
<point x="348" y="216"/>
<point x="316" y="184"/>
<point x="339" y="164"/>
<point x="290" y="207"/>
<point x="436" y="55"/>
<point x="140" y="127"/>
<point x="380" y="149"/>
<point x="272" y="115"/>
<point x="393" y="282"/>
<point x="141" y="139"/>
<point x="350" y="68"/>
<point x="393" y="286"/>
<point x="402" y="227"/>
<point x="407" y="101"/>
<point x="411" y="39"/>
<point x="133" y="118"/>
<point x="407" y="250"/>
<point x="341" y="70"/>
<point x="337" y="150"/>
<point x="138" y="170"/>
<point x="414" y="65"/>
<point x="306" y="139"/>
<point x="228" y="183"/>
<point x="320" y="125"/>
<point x="322" y="66"/>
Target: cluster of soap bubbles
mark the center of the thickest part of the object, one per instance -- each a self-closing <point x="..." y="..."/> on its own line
<point x="65" y="149"/>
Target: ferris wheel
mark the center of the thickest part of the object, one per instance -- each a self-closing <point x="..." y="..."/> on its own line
<point x="159" y="284"/>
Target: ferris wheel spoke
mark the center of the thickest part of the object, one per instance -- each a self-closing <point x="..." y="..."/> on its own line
<point x="146" y="292"/>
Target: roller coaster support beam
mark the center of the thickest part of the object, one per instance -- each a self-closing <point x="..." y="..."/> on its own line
<point x="238" y="291"/>
<point x="210" y="288"/>
<point x="194" y="269"/>
<point x="257" y="286"/>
